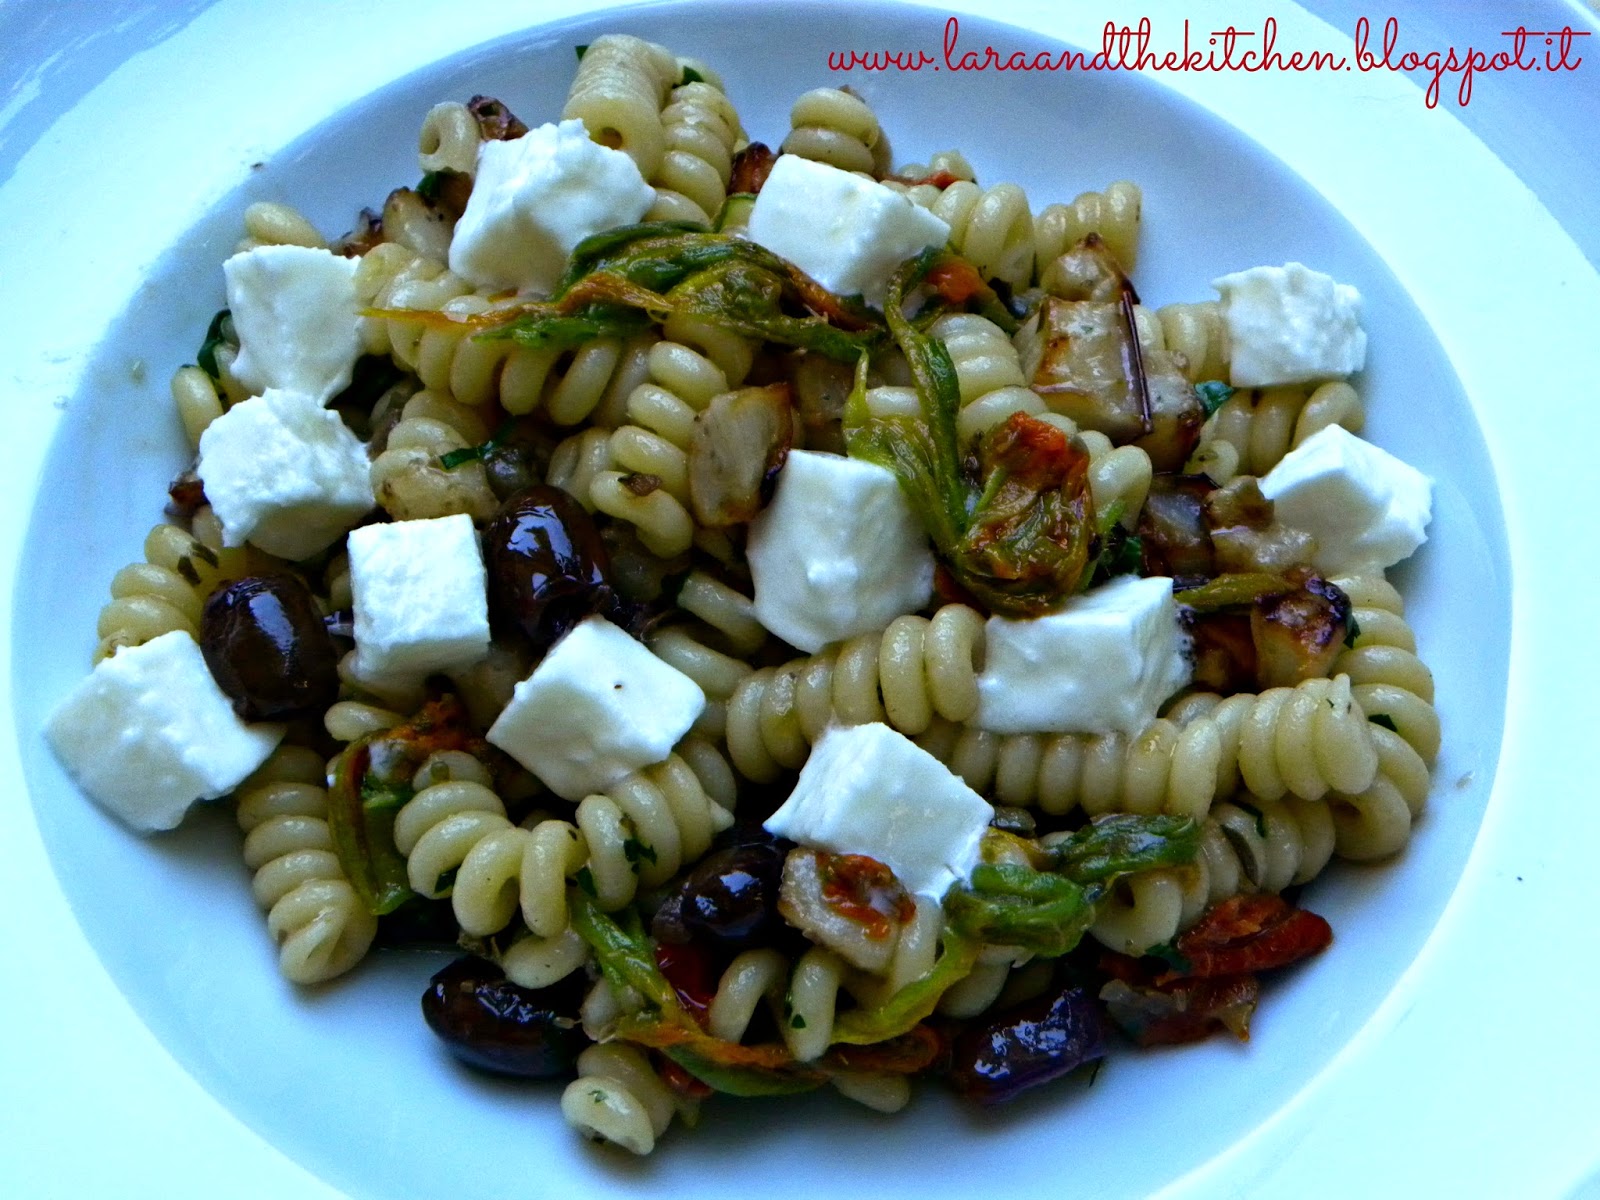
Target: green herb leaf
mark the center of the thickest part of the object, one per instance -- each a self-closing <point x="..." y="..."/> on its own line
<point x="1213" y="394"/>
<point x="624" y="952"/>
<point x="797" y="1022"/>
<point x="1012" y="905"/>
<point x="636" y="851"/>
<point x="581" y="51"/>
<point x="429" y="186"/>
<point x="206" y="357"/>
<point x="1261" y="819"/>
<point x="585" y="880"/>
<point x="1385" y="720"/>
<point x="1124" y="843"/>
<point x="454" y="458"/>
<point x="1352" y="632"/>
<point x="690" y="75"/>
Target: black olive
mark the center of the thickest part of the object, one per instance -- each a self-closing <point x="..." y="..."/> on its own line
<point x="492" y="1024"/>
<point x="547" y="565"/>
<point x="267" y="648"/>
<point x="1028" y="1045"/>
<point x="730" y="898"/>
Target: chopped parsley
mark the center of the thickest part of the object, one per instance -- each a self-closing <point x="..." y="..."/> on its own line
<point x="1213" y="394"/>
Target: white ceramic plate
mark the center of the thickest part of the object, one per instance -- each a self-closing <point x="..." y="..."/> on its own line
<point x="157" y="1016"/>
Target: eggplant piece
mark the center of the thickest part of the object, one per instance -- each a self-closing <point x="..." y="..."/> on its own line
<point x="1247" y="535"/>
<point x="821" y="388"/>
<point x="496" y="122"/>
<point x="751" y="166"/>
<point x="1298" y="635"/>
<point x="1224" y="651"/>
<point x="1173" y="536"/>
<point x="421" y="226"/>
<point x="1026" y="1046"/>
<point x="1081" y="357"/>
<point x="739" y="444"/>
<point x="1087" y="271"/>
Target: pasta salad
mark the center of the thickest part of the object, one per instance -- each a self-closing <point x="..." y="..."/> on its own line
<point x="792" y="620"/>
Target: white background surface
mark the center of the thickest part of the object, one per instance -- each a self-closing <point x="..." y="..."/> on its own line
<point x="1477" y="1077"/>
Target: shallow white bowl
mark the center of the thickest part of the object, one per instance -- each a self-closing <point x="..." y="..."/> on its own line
<point x="346" y="1081"/>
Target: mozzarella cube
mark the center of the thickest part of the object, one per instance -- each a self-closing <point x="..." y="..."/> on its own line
<point x="1364" y="506"/>
<point x="285" y="473"/>
<point x="421" y="597"/>
<point x="1290" y="324"/>
<point x="838" y="552"/>
<point x="597" y="708"/>
<point x="298" y="319"/>
<point x="867" y="789"/>
<point x="535" y="198"/>
<point x="846" y="232"/>
<point x="1104" y="662"/>
<point x="150" y="732"/>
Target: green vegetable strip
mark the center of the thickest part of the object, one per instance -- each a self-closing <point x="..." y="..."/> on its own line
<point x="361" y="825"/>
<point x="913" y="1003"/>
<point x="1124" y="843"/>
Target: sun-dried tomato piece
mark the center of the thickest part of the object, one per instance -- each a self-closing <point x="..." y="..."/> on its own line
<point x="956" y="280"/>
<point x="1248" y="933"/>
<point x="692" y="974"/>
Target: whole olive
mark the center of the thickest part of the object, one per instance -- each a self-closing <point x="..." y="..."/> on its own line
<point x="1030" y="1044"/>
<point x="268" y="649"/>
<point x="492" y="1024"/>
<point x="729" y="898"/>
<point x="547" y="565"/>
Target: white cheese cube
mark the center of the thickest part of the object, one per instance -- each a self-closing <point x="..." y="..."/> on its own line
<point x="150" y="732"/>
<point x="838" y="552"/>
<point x="1364" y="506"/>
<point x="421" y="597"/>
<point x="1105" y="661"/>
<point x="535" y="198"/>
<point x="285" y="473"/>
<point x="298" y="319"/>
<point x="1290" y="324"/>
<point x="867" y="789"/>
<point x="846" y="232"/>
<point x="597" y="708"/>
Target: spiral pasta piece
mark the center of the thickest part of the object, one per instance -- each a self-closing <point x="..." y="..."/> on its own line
<point x="701" y="129"/>
<point x="804" y="1000"/>
<point x="320" y="925"/>
<point x="653" y="446"/>
<point x="1197" y="338"/>
<point x="618" y="94"/>
<point x="618" y="1098"/>
<point x="836" y="127"/>
<point x="988" y="372"/>
<point x="458" y="842"/>
<point x="912" y="671"/>
<point x="1308" y="741"/>
<point x="449" y="139"/>
<point x="268" y="223"/>
<point x="1113" y="214"/>
<point x="1261" y="425"/>
<point x="992" y="228"/>
<point x="1395" y="689"/>
<point x="410" y="479"/>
